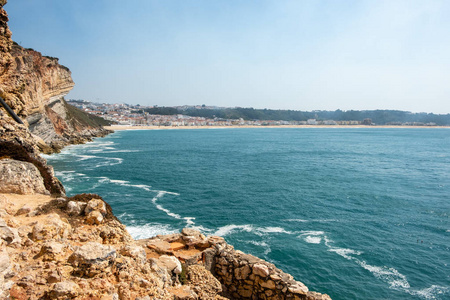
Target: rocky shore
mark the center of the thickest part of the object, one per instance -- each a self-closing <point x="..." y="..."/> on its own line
<point x="58" y="247"/>
<point x="74" y="248"/>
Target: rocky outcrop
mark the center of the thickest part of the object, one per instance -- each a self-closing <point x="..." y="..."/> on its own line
<point x="242" y="276"/>
<point x="50" y="252"/>
<point x="20" y="177"/>
<point x="33" y="86"/>
<point x="16" y="159"/>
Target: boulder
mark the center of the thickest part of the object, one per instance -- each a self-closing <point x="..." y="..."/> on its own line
<point x="20" y="177"/>
<point x="95" y="205"/>
<point x="92" y="258"/>
<point x="170" y="263"/>
<point x="75" y="208"/>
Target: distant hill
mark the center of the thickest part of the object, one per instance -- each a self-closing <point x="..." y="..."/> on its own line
<point x="378" y="117"/>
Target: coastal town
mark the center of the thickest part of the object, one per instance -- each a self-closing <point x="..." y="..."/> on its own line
<point x="135" y="115"/>
<point x="138" y="115"/>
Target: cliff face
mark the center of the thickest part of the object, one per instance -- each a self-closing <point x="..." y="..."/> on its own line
<point x="32" y="81"/>
<point x="34" y="86"/>
<point x="75" y="248"/>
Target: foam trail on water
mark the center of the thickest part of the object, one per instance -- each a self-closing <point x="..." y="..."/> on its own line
<point x="389" y="275"/>
<point x="227" y="229"/>
<point x="311" y="237"/>
<point x="159" y="194"/>
<point x="109" y="161"/>
<point x="263" y="245"/>
<point x="296" y="220"/>
<point x="168" y="212"/>
<point x="85" y="157"/>
<point x="273" y="230"/>
<point x="261" y="231"/>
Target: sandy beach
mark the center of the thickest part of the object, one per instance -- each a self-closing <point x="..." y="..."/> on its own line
<point x="128" y="127"/>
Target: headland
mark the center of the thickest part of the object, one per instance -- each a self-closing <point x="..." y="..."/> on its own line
<point x="59" y="247"/>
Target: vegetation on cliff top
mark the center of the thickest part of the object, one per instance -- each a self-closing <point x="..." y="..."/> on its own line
<point x="79" y="117"/>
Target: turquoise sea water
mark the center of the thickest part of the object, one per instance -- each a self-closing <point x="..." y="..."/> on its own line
<point x="355" y="213"/>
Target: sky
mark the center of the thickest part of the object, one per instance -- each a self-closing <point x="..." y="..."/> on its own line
<point x="301" y="55"/>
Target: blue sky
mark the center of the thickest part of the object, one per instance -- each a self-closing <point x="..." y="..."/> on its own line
<point x="305" y="55"/>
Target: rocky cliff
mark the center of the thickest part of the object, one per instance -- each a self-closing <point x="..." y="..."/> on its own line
<point x="34" y="85"/>
<point x="55" y="247"/>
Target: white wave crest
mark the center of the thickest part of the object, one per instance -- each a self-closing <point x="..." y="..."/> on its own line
<point x="67" y="176"/>
<point x="313" y="239"/>
<point x="226" y="230"/>
<point x="189" y="221"/>
<point x="311" y="232"/>
<point x="108" y="161"/>
<point x="273" y="230"/>
<point x="431" y="292"/>
<point x="149" y="230"/>
<point x="390" y="275"/>
<point x="120" y="182"/>
<point x="344" y="252"/>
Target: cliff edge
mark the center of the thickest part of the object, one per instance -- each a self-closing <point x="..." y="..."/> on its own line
<point x="34" y="87"/>
<point x="55" y="247"/>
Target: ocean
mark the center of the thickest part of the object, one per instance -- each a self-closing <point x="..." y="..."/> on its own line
<point x="357" y="213"/>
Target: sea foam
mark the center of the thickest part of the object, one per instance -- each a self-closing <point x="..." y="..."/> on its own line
<point x="149" y="230"/>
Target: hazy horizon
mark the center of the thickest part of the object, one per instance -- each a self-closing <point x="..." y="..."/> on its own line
<point x="298" y="55"/>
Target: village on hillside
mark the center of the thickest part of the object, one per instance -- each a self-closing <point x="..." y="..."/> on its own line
<point x="138" y="115"/>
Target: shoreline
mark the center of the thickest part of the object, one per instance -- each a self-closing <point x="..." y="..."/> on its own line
<point x="129" y="127"/>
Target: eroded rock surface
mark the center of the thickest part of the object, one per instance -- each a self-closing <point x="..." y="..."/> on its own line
<point x="51" y="253"/>
<point x="20" y="177"/>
